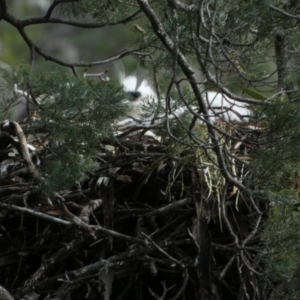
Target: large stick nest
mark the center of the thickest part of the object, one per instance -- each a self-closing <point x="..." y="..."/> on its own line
<point x="145" y="225"/>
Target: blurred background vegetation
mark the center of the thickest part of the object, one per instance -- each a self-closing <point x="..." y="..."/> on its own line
<point x="68" y="43"/>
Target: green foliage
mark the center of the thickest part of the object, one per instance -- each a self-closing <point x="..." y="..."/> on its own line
<point x="103" y="11"/>
<point x="63" y="171"/>
<point x="107" y="11"/>
<point x="281" y="236"/>
<point x="77" y="114"/>
<point x="252" y="93"/>
<point x="72" y="9"/>
<point x="293" y="79"/>
<point x="278" y="157"/>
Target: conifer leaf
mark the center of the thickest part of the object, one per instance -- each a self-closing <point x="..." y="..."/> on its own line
<point x="254" y="94"/>
<point x="4" y="67"/>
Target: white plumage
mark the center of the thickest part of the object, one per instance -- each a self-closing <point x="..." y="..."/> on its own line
<point x="220" y="107"/>
<point x="140" y="95"/>
<point x="137" y="96"/>
<point x="224" y="108"/>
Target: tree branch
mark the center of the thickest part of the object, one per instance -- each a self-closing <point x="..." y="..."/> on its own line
<point x="189" y="73"/>
<point x="283" y="12"/>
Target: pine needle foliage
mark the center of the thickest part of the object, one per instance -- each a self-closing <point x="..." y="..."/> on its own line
<point x="72" y="9"/>
<point x="281" y="236"/>
<point x="277" y="158"/>
<point x="75" y="115"/>
<point x="107" y="11"/>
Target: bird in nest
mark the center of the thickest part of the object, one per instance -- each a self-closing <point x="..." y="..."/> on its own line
<point x="141" y="98"/>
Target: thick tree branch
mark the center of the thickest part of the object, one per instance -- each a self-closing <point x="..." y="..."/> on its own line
<point x="21" y="24"/>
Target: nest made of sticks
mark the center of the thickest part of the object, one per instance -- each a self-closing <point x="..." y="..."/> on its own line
<point x="145" y="225"/>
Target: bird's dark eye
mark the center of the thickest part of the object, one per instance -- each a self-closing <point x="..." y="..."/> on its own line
<point x="134" y="95"/>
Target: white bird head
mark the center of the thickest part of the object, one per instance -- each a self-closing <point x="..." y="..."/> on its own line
<point x="138" y="92"/>
<point x="137" y="95"/>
